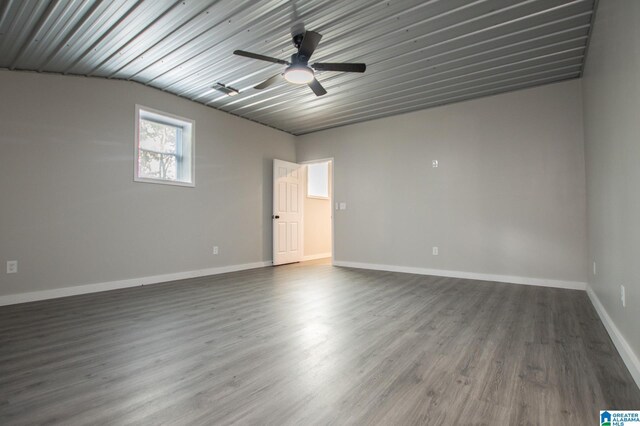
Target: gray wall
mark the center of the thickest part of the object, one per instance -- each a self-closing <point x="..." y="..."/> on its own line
<point x="611" y="92"/>
<point x="70" y="212"/>
<point x="507" y="199"/>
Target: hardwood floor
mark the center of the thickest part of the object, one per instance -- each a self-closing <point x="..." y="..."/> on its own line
<point x="311" y="344"/>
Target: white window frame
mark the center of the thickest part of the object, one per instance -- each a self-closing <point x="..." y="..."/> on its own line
<point x="187" y="130"/>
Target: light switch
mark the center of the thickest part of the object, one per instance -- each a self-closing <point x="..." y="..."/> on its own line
<point x="434" y="163"/>
<point x="343" y="206"/>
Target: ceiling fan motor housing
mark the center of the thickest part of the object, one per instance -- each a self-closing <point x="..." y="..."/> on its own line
<point x="297" y="34"/>
<point x="298" y="59"/>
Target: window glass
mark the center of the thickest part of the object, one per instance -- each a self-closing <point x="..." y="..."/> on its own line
<point x="164" y="146"/>
<point x="318" y="180"/>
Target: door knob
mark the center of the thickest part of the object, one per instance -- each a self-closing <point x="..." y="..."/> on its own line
<point x="275" y="217"/>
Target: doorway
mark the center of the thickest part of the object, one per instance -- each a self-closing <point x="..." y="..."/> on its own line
<point x="318" y="212"/>
<point x="302" y="211"/>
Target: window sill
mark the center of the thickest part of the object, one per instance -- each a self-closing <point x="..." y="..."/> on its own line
<point x="165" y="182"/>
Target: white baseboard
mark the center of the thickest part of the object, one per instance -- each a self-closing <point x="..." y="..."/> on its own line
<point x="12" y="299"/>
<point x="629" y="357"/>
<point x="542" y="282"/>
<point x="316" y="256"/>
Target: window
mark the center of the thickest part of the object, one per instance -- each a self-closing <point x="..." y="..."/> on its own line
<point x="164" y="148"/>
<point x="318" y="180"/>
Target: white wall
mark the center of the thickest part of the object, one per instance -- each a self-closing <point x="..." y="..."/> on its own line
<point x="70" y="212"/>
<point x="317" y="223"/>
<point x="508" y="198"/>
<point x="611" y="95"/>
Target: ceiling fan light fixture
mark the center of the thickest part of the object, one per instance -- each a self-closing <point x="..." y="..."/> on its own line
<point x="299" y="74"/>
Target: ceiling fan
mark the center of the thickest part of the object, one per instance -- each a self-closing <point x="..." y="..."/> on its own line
<point x="298" y="70"/>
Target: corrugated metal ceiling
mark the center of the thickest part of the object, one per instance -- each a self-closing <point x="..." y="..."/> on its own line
<point x="419" y="54"/>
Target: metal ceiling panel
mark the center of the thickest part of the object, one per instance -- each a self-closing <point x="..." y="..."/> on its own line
<point x="87" y="32"/>
<point x="410" y="73"/>
<point x="411" y="53"/>
<point x="419" y="91"/>
<point x="419" y="54"/>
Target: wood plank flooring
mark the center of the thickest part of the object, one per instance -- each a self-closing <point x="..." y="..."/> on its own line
<point x="311" y="344"/>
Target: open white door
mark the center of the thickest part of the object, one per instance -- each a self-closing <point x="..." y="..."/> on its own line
<point x="287" y="212"/>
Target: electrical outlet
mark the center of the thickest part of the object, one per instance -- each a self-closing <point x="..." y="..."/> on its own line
<point x="12" y="267"/>
<point x="434" y="163"/>
<point x="594" y="268"/>
<point x="215" y="250"/>
<point x="434" y="251"/>
<point x="623" y="297"/>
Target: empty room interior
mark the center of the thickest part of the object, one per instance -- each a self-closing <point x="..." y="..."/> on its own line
<point x="301" y="212"/>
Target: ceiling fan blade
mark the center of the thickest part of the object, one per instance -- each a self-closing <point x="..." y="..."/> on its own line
<point x="259" y="57"/>
<point x="268" y="82"/>
<point x="329" y="66"/>
<point x="309" y="43"/>
<point x="317" y="88"/>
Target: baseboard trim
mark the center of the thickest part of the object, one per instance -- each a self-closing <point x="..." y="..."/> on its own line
<point x="33" y="296"/>
<point x="629" y="357"/>
<point x="542" y="282"/>
<point x="316" y="256"/>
